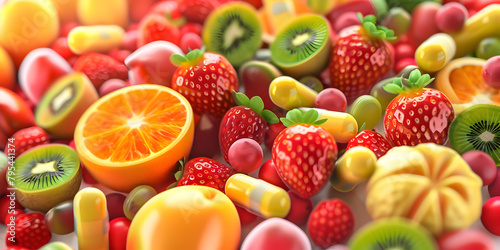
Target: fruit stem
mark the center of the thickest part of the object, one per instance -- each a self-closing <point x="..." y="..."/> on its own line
<point x="369" y="24"/>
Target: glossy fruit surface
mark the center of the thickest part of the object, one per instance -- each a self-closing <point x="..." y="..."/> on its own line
<point x="202" y="216"/>
<point x="131" y="144"/>
<point x="490" y="216"/>
<point x="331" y="222"/>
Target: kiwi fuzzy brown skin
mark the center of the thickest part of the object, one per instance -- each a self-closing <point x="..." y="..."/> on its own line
<point x="485" y="119"/>
<point x="60" y="124"/>
<point x="317" y="57"/>
<point x="224" y="20"/>
<point x="392" y="233"/>
<point x="46" y="198"/>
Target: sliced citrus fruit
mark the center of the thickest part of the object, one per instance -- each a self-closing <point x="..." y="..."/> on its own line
<point x="462" y="82"/>
<point x="135" y="136"/>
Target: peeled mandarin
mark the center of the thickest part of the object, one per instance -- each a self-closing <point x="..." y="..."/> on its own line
<point x="26" y="25"/>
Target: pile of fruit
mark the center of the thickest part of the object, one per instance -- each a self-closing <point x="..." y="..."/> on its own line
<point x="243" y="124"/>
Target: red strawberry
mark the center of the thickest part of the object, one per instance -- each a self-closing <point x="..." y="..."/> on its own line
<point x="330" y="223"/>
<point x="207" y="80"/>
<point x="27" y="138"/>
<point x="197" y="10"/>
<point x="360" y="58"/>
<point x="205" y="172"/>
<point x="31" y="231"/>
<point x="155" y="27"/>
<point x="372" y="140"/>
<point x="417" y="114"/>
<point x="99" y="68"/>
<point x="304" y="153"/>
<point x="248" y="120"/>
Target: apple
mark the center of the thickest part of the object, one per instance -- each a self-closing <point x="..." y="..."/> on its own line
<point x="186" y="217"/>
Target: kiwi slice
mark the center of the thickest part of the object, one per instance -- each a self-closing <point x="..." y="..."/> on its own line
<point x="64" y="103"/>
<point x="234" y="31"/>
<point x="392" y="233"/>
<point x="46" y="176"/>
<point x="477" y="128"/>
<point x="302" y="47"/>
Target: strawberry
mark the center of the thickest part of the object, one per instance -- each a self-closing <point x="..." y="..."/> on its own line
<point x="248" y="120"/>
<point x="197" y="10"/>
<point x="360" y="57"/>
<point x="205" y="172"/>
<point x="27" y="138"/>
<point x="156" y="27"/>
<point x="207" y="80"/>
<point x="330" y="223"/>
<point x="100" y="68"/>
<point x="61" y="46"/>
<point x="417" y="114"/>
<point x="304" y="153"/>
<point x="372" y="140"/>
<point x="31" y="231"/>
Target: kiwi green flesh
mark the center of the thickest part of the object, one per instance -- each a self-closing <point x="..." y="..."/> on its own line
<point x="45" y="167"/>
<point x="394" y="234"/>
<point x="58" y="101"/>
<point x="300" y="40"/>
<point x="477" y="128"/>
<point x="234" y="32"/>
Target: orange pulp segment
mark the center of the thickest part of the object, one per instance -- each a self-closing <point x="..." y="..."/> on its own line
<point x="135" y="129"/>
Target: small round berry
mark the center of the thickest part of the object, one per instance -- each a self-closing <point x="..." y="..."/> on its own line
<point x="491" y="72"/>
<point x="111" y="85"/>
<point x="482" y="164"/>
<point x="190" y="41"/>
<point x="331" y="222"/>
<point x="345" y="20"/>
<point x="331" y="99"/>
<point x="269" y="173"/>
<point x="494" y="187"/>
<point x="245" y="155"/>
<point x="451" y="17"/>
<point x="300" y="208"/>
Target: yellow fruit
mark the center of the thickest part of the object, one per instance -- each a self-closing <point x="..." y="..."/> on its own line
<point x="428" y="183"/>
<point x="135" y="136"/>
<point x="103" y="12"/>
<point x="7" y="70"/>
<point x="66" y="9"/>
<point x="26" y="25"/>
<point x="186" y="217"/>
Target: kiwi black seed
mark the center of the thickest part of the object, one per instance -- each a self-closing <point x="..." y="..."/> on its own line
<point x="477" y="128"/>
<point x="392" y="233"/>
<point x="234" y="31"/>
<point x="46" y="176"/>
<point x="302" y="47"/>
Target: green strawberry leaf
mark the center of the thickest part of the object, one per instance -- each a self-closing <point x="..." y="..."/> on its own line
<point x="392" y="88"/>
<point x="310" y="116"/>
<point x="418" y="81"/>
<point x="178" y="59"/>
<point x="414" y="76"/>
<point x="369" y="24"/>
<point x="294" y="115"/>
<point x="320" y="121"/>
<point x="269" y="116"/>
<point x="241" y="99"/>
<point x="287" y="122"/>
<point x="256" y="104"/>
<point x="363" y="127"/>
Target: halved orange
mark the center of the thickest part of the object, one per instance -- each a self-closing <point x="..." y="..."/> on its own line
<point x="135" y="136"/>
<point x="462" y="82"/>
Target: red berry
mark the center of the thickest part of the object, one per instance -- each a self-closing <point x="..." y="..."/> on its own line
<point x="99" y="68"/>
<point x="246" y="217"/>
<point x="118" y="231"/>
<point x="205" y="172"/>
<point x="451" y="17"/>
<point x="245" y="155"/>
<point x="114" y="204"/>
<point x="494" y="187"/>
<point x="490" y="216"/>
<point x="482" y="164"/>
<point x="299" y="210"/>
<point x="491" y="72"/>
<point x="12" y="216"/>
<point x="273" y="131"/>
<point x="331" y="99"/>
<point x="331" y="222"/>
<point x="156" y="27"/>
<point x="269" y="173"/>
<point x="27" y="138"/>
<point x="8" y="204"/>
<point x="190" y="41"/>
<point x="111" y="85"/>
<point x="31" y="231"/>
<point x="372" y="140"/>
<point x="466" y="239"/>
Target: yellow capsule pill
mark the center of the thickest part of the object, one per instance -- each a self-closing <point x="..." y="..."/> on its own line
<point x="342" y="126"/>
<point x="289" y="93"/>
<point x="258" y="196"/>
<point x="435" y="52"/>
<point x="98" y="38"/>
<point x="103" y="12"/>
<point x="481" y="25"/>
<point x="91" y="219"/>
<point x="355" y="166"/>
